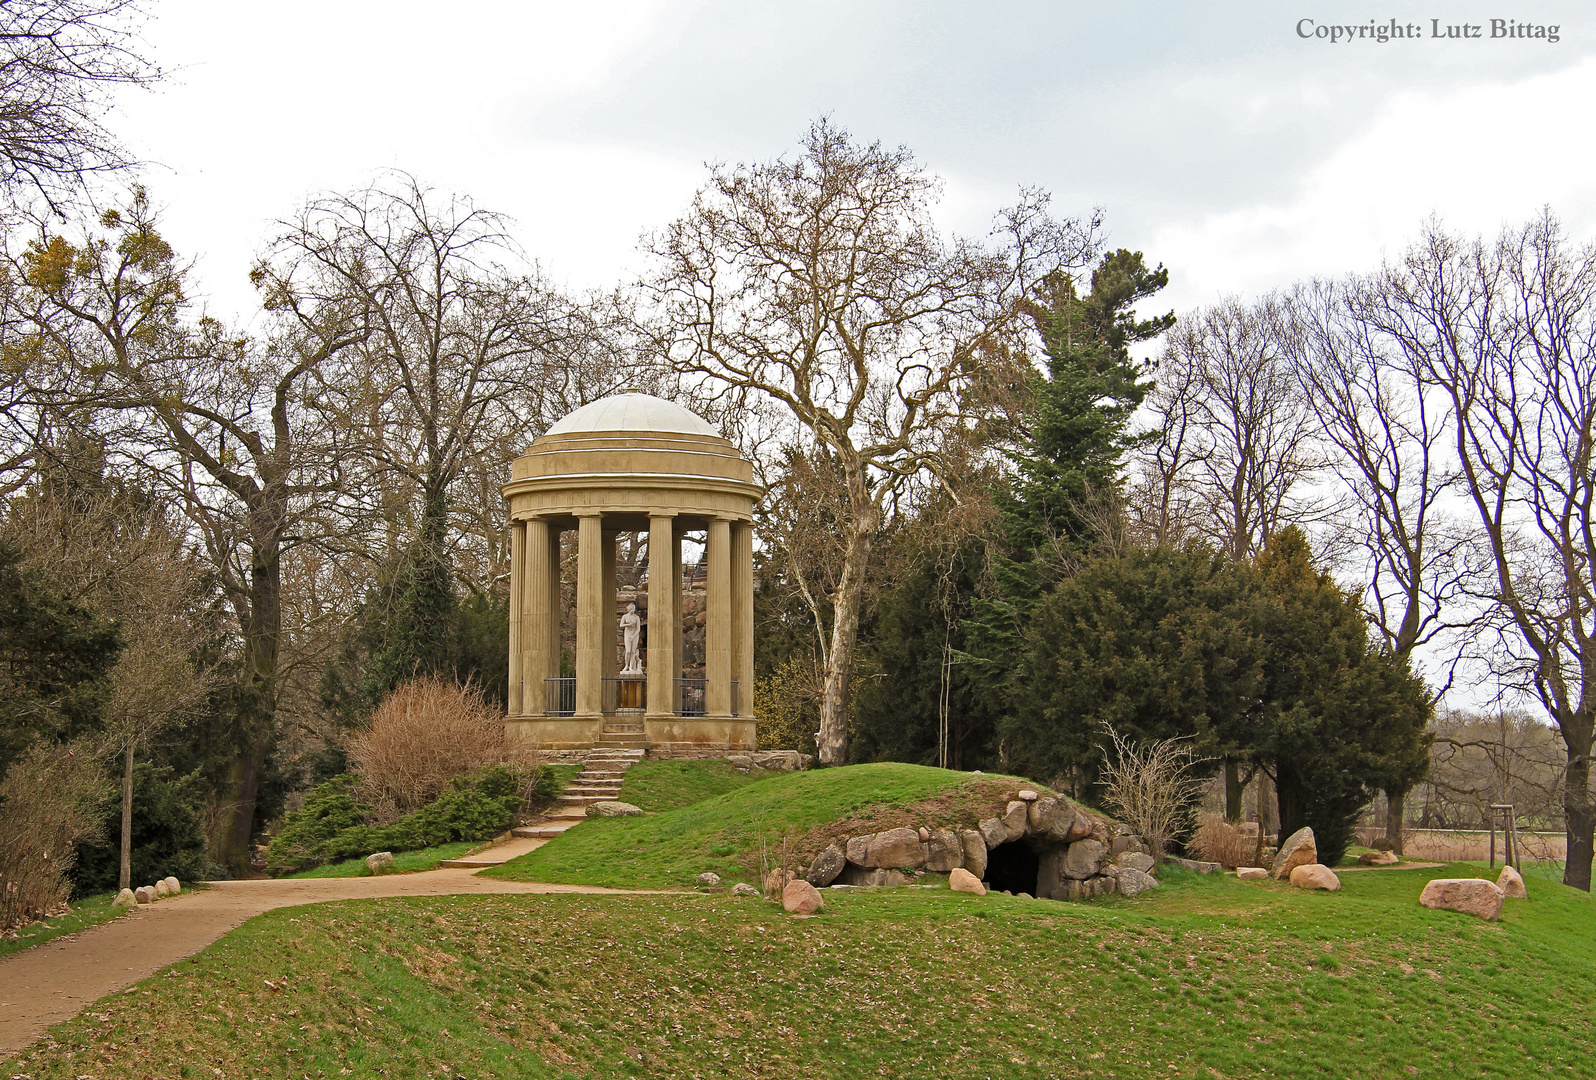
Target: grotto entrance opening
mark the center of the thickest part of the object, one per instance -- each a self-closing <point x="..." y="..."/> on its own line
<point x="1013" y="867"/>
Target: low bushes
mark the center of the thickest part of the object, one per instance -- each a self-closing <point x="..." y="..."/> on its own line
<point x="334" y="824"/>
<point x="425" y="734"/>
<point x="47" y="806"/>
<point x="1217" y="840"/>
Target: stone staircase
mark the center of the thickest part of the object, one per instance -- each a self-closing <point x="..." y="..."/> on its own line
<point x="599" y="781"/>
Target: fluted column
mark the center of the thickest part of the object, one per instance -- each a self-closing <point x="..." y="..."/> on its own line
<point x="718" y="620"/>
<point x="678" y="638"/>
<point x="540" y="612"/>
<point x="517" y="546"/>
<point x="742" y="612"/>
<point x="664" y="619"/>
<point x="590" y="622"/>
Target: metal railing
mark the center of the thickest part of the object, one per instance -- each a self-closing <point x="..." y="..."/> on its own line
<point x="690" y="697"/>
<point x="559" y="697"/>
<point x="626" y="694"/>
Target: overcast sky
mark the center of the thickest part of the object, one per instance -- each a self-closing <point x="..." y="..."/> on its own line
<point x="1218" y="140"/>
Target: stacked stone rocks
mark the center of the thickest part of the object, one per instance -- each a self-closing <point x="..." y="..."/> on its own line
<point x="1080" y="855"/>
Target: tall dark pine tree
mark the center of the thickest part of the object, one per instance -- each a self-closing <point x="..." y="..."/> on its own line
<point x="1072" y="441"/>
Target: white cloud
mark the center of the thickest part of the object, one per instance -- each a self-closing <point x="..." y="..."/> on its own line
<point x="1480" y="157"/>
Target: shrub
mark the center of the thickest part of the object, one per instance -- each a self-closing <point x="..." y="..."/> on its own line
<point x="1151" y="787"/>
<point x="329" y="810"/>
<point x="1217" y="840"/>
<point x="423" y="735"/>
<point x="168" y="838"/>
<point x="48" y="804"/>
<point x="332" y="825"/>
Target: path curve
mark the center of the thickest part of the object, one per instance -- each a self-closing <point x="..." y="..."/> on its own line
<point x="56" y="980"/>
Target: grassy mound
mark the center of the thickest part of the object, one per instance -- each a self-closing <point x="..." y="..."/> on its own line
<point x="671" y="785"/>
<point x="1206" y="977"/>
<point x="781" y="819"/>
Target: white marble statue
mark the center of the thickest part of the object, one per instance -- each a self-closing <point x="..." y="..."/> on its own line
<point x="631" y="633"/>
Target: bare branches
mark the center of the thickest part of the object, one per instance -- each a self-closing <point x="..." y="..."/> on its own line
<point x="821" y="283"/>
<point x="1152" y="787"/>
<point x="59" y="62"/>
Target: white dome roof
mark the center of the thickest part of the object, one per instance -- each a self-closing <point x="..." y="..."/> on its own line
<point x="632" y="410"/>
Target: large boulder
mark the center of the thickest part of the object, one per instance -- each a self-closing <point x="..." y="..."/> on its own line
<point x="1315" y="876"/>
<point x="944" y="851"/>
<point x="144" y="894"/>
<point x="827" y="865"/>
<point x="1197" y="866"/>
<point x="173" y="886"/>
<point x="1298" y="849"/>
<point x="993" y="832"/>
<point x="612" y="808"/>
<point x="124" y="899"/>
<point x="1051" y="818"/>
<point x="1082" y="827"/>
<point x="1133" y="882"/>
<point x="974" y="852"/>
<point x="1471" y="896"/>
<point x="1378" y="858"/>
<point x="742" y="888"/>
<point x="379" y="862"/>
<point x="161" y="891"/>
<point x="709" y="879"/>
<point x="895" y="849"/>
<point x="801" y="898"/>
<point x="961" y="880"/>
<point x="1511" y="884"/>
<point x="868" y="878"/>
<point x="858" y="848"/>
<point x="1014" y="819"/>
<point x="1251" y="873"/>
<point x="1134" y="860"/>
<point x="1084" y="859"/>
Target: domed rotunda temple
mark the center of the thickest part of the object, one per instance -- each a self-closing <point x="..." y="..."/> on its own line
<point x="631" y="463"/>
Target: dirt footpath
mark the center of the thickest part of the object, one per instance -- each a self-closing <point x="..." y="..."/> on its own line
<point x="55" y="981"/>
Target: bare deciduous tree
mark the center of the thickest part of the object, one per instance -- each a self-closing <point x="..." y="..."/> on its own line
<point x="1152" y="786"/>
<point x="211" y="420"/>
<point x="1391" y="437"/>
<point x="1507" y="332"/>
<point x="1232" y="434"/>
<point x="821" y="283"/>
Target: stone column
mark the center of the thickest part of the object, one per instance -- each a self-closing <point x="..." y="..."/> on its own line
<point x="664" y="617"/>
<point x="676" y="606"/>
<point x="513" y="699"/>
<point x="610" y="665"/>
<point x="540" y="612"/>
<point x="742" y="605"/>
<point x="718" y="620"/>
<point x="590" y="621"/>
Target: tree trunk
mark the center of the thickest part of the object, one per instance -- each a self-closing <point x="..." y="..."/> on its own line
<point x="1235" y="788"/>
<point x="1394" y="801"/>
<point x="258" y="700"/>
<point x="1578" y="815"/>
<point x="1290" y="800"/>
<point x="125" y="873"/>
<point x="833" y="741"/>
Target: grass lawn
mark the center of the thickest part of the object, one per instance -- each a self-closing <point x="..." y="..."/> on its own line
<point x="90" y="911"/>
<point x="403" y="861"/>
<point x="1205" y="977"/>
<point x="729" y="833"/>
<point x="671" y="785"/>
